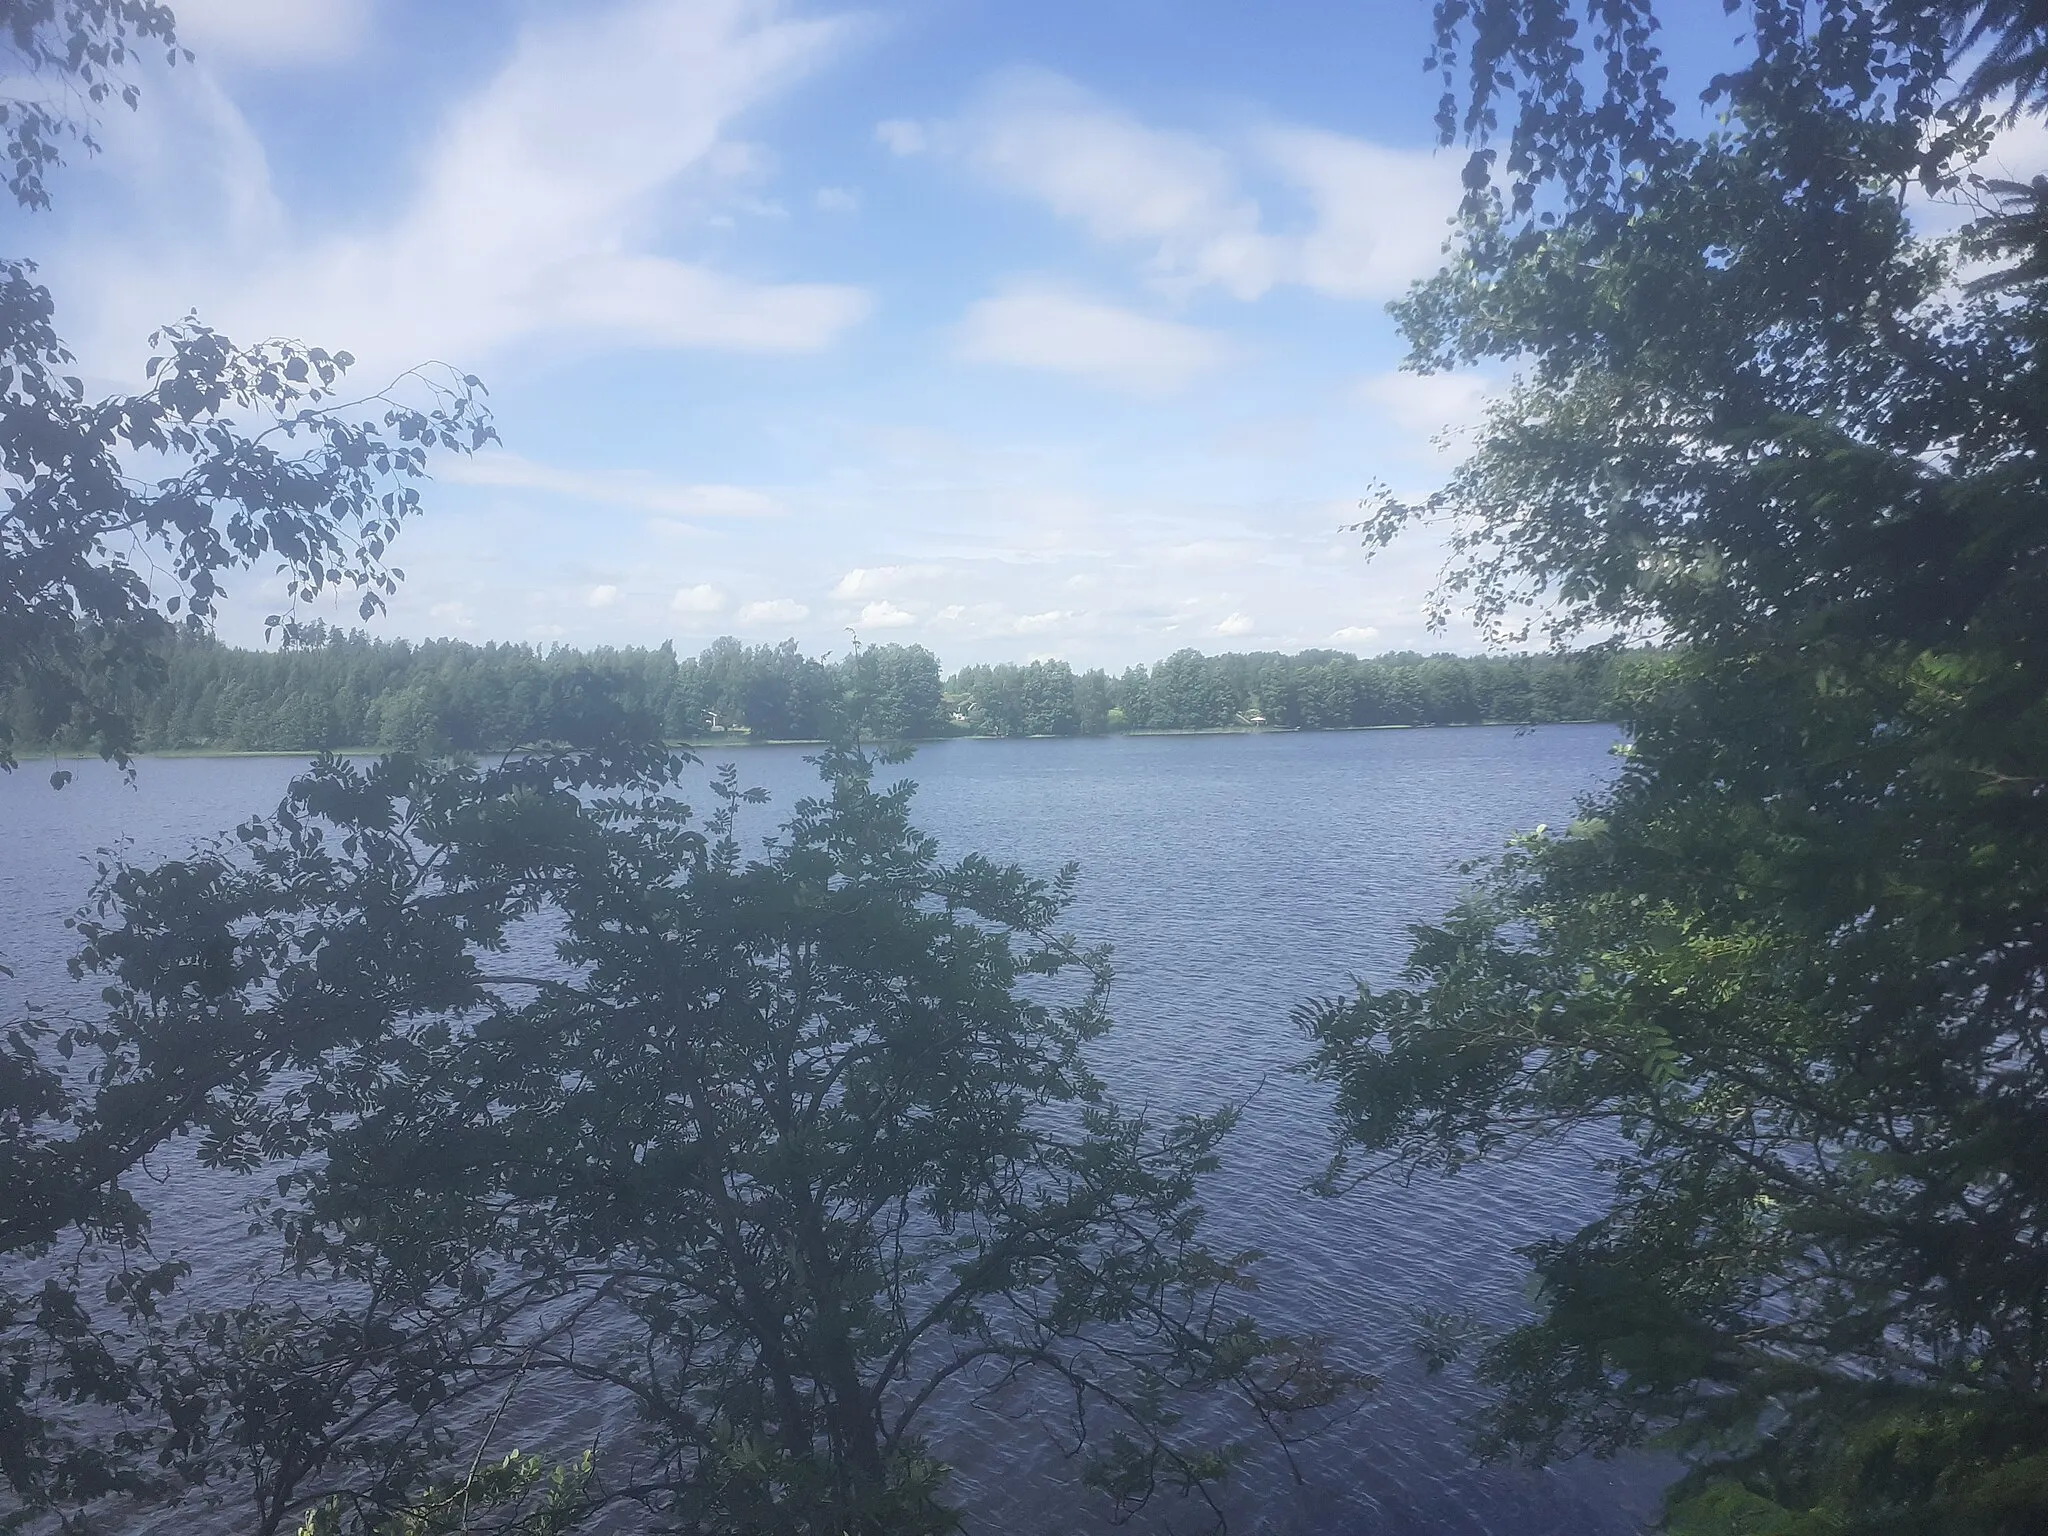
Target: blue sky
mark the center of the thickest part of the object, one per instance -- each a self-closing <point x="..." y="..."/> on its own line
<point x="1014" y="330"/>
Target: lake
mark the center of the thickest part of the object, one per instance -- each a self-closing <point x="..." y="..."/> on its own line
<point x="1235" y="876"/>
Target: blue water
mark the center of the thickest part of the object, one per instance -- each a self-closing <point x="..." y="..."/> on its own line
<point x="1235" y="876"/>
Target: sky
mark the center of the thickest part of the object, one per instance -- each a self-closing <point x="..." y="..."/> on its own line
<point x="1012" y="330"/>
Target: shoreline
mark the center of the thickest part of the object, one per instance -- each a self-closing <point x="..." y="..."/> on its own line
<point x="740" y="741"/>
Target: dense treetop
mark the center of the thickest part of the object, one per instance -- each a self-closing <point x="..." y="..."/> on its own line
<point x="333" y="689"/>
<point x="1794" y="962"/>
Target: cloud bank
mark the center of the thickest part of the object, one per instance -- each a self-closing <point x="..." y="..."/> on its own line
<point x="1274" y="206"/>
<point x="1061" y="333"/>
<point x="535" y="211"/>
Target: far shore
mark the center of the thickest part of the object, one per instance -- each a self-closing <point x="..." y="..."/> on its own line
<point x="739" y="740"/>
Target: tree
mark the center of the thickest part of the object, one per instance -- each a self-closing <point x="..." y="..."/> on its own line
<point x="792" y="1151"/>
<point x="340" y="690"/>
<point x="995" y="699"/>
<point x="1134" y="697"/>
<point x="1793" y="960"/>
<point x="787" y="696"/>
<point x="1047" y="694"/>
<point x="1092" y="692"/>
<point x="321" y="486"/>
<point x="897" y="690"/>
<point x="83" y="53"/>
<point x="1181" y="695"/>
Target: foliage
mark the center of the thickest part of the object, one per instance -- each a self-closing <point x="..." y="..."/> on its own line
<point x="1309" y="691"/>
<point x="786" y="1152"/>
<point x="256" y="458"/>
<point x="1792" y="966"/>
<point x="1595" y="134"/>
<point x="133" y="1394"/>
<point x="322" y="490"/>
<point x="1035" y="700"/>
<point x="330" y="689"/>
<point x="811" y="1137"/>
<point x="542" y="1502"/>
<point x="73" y="48"/>
<point x="892" y="693"/>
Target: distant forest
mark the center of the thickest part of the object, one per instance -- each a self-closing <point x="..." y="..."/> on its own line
<point x="343" y="689"/>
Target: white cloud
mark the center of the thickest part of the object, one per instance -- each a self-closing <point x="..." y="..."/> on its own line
<point x="702" y="598"/>
<point x="520" y="227"/>
<point x="902" y="137"/>
<point x="455" y="615"/>
<point x="1428" y="403"/>
<point x="510" y="471"/>
<point x="837" y="200"/>
<point x="1065" y="334"/>
<point x="603" y="597"/>
<point x="1157" y="569"/>
<point x="1381" y="215"/>
<point x="775" y="610"/>
<point x="1376" y="216"/>
<point x="1045" y="137"/>
<point x="1038" y="623"/>
<point x="886" y="615"/>
<point x="869" y="581"/>
<point x="272" y="32"/>
<point x="1226" y="552"/>
<point x="1236" y="624"/>
<point x="653" y="301"/>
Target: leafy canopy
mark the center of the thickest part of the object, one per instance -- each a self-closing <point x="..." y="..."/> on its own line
<point x="783" y="1154"/>
<point x="1792" y="966"/>
<point x="250" y="454"/>
<point x="78" y="52"/>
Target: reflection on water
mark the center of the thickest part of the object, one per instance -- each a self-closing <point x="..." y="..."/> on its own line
<point x="1234" y="875"/>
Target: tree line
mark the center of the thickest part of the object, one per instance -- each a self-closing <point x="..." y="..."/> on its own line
<point x="341" y="689"/>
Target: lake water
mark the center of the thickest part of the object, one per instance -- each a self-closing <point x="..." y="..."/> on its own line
<point x="1235" y="876"/>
